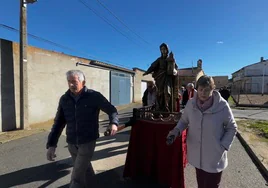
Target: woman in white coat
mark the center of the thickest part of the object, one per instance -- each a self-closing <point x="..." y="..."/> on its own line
<point x="211" y="131"/>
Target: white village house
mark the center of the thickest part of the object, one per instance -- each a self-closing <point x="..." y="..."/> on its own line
<point x="252" y="78"/>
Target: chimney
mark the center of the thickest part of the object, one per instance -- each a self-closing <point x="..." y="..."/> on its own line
<point x="262" y="59"/>
<point x="199" y="63"/>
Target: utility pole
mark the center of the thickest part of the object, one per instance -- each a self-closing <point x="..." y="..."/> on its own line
<point x="23" y="64"/>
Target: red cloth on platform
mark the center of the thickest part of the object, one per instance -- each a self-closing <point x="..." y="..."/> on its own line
<point x="149" y="156"/>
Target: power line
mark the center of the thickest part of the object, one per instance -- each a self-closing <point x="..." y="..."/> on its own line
<point x="106" y="20"/>
<point x="42" y="39"/>
<point x="104" y="6"/>
<point x="59" y="45"/>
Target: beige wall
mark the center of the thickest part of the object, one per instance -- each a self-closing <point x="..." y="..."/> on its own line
<point x="220" y="81"/>
<point x="16" y="60"/>
<point x="199" y="74"/>
<point x="184" y="80"/>
<point x="47" y="81"/>
<point x="138" y="78"/>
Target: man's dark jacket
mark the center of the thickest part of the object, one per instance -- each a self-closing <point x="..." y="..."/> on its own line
<point x="81" y="117"/>
<point x="185" y="98"/>
<point x="225" y="94"/>
<point x="145" y="97"/>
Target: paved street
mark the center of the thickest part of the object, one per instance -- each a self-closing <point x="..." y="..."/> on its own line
<point x="260" y="114"/>
<point x="240" y="173"/>
<point x="23" y="163"/>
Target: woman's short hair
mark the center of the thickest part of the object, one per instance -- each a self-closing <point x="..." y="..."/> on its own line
<point x="205" y="81"/>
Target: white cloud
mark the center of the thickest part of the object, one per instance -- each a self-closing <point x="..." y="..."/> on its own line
<point x="219" y="42"/>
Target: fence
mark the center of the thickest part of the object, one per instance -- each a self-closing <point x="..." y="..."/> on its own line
<point x="250" y="94"/>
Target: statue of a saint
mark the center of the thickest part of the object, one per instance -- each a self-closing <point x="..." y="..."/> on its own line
<point x="165" y="74"/>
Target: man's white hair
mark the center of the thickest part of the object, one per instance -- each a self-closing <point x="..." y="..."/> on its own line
<point x="190" y="85"/>
<point x="80" y="74"/>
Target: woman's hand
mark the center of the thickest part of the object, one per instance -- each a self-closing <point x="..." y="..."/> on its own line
<point x="172" y="136"/>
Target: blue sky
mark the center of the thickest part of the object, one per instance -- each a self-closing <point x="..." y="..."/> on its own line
<point x="226" y="35"/>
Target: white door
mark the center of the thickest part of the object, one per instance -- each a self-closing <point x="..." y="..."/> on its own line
<point x="143" y="87"/>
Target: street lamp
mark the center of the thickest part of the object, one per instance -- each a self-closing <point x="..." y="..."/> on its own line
<point x="23" y="63"/>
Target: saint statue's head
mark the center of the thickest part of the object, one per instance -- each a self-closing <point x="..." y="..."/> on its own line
<point x="164" y="50"/>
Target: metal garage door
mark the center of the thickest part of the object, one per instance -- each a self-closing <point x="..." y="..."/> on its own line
<point x="120" y="88"/>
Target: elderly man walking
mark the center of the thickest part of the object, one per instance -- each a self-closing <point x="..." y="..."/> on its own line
<point x="188" y="93"/>
<point x="149" y="95"/>
<point x="79" y="109"/>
